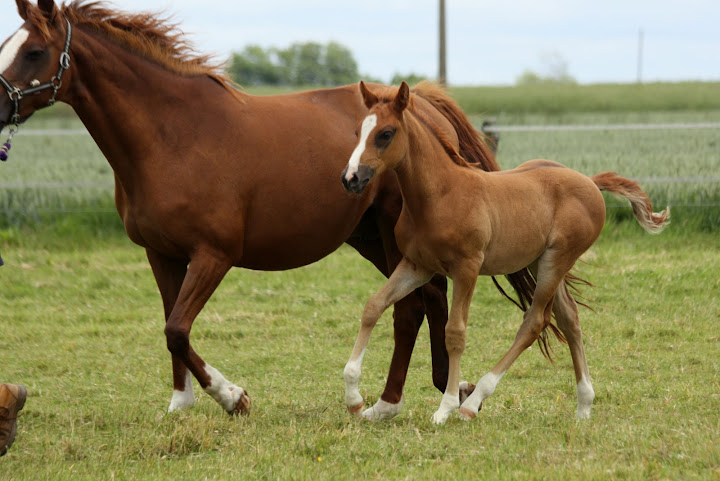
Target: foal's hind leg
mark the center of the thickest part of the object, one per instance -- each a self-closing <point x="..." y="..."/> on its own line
<point x="552" y="268"/>
<point x="169" y="275"/>
<point x="566" y="313"/>
<point x="406" y="278"/>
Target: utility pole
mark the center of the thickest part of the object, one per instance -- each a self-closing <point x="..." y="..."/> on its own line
<point x="442" y="72"/>
<point x="640" y="56"/>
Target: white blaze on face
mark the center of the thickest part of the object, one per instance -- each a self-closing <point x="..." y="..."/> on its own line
<point x="11" y="48"/>
<point x="367" y="126"/>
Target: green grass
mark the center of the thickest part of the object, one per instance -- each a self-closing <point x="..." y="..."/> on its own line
<point x="558" y="99"/>
<point x="81" y="328"/>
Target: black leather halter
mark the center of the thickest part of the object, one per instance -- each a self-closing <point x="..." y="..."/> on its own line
<point x="16" y="94"/>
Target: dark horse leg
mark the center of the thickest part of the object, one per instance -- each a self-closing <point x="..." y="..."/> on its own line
<point x="169" y="276"/>
<point x="190" y="288"/>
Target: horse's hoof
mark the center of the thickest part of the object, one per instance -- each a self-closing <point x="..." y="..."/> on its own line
<point x="355" y="410"/>
<point x="466" y="389"/>
<point x="242" y="407"/>
<point x="466" y="414"/>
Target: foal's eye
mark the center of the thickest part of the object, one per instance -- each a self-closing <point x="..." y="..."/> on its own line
<point x="34" y="55"/>
<point x="384" y="137"/>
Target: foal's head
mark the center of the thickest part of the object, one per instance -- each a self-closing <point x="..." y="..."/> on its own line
<point x="382" y="139"/>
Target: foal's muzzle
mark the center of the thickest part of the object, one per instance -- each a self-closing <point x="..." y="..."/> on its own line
<point x="359" y="179"/>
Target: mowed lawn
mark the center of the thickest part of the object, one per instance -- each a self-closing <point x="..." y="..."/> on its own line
<point x="81" y="327"/>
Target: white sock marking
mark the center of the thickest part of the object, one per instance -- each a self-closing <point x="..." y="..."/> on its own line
<point x="586" y="395"/>
<point x="183" y="399"/>
<point x="10" y="51"/>
<point x="383" y="410"/>
<point x="351" y="373"/>
<point x="223" y="391"/>
<point x="367" y="126"/>
<point x="484" y="389"/>
<point x="449" y="403"/>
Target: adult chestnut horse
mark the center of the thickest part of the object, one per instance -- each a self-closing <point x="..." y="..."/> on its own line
<point x="208" y="178"/>
<point x="540" y="216"/>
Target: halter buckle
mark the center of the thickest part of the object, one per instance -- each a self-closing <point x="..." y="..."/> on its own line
<point x="65" y="60"/>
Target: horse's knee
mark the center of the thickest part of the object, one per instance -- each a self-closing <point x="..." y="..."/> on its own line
<point x="454" y="338"/>
<point x="178" y="339"/>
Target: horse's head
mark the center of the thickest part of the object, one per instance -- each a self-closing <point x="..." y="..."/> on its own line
<point x="32" y="61"/>
<point x="382" y="143"/>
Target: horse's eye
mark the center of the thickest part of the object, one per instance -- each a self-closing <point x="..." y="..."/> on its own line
<point x="35" y="55"/>
<point x="383" y="138"/>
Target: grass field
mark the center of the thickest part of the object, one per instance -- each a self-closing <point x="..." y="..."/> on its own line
<point x="81" y="328"/>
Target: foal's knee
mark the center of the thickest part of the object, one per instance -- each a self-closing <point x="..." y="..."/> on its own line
<point x="178" y="339"/>
<point x="454" y="339"/>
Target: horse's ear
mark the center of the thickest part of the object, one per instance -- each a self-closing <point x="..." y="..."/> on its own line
<point x="48" y="9"/>
<point x="22" y="6"/>
<point x="369" y="98"/>
<point x="402" y="99"/>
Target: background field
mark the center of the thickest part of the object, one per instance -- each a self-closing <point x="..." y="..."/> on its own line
<point x="80" y="325"/>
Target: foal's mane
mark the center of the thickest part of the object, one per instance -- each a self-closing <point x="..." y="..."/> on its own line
<point x="148" y="34"/>
<point x="474" y="149"/>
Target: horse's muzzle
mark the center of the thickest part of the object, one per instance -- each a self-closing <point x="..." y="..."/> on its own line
<point x="359" y="179"/>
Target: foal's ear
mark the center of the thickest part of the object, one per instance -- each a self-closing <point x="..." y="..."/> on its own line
<point x="48" y="9"/>
<point x="22" y="6"/>
<point x="402" y="99"/>
<point x="369" y="98"/>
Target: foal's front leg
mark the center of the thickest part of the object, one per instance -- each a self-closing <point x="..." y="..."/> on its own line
<point x="406" y="278"/>
<point x="463" y="288"/>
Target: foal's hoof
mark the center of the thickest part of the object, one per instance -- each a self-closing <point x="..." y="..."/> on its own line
<point x="466" y="414"/>
<point x="355" y="410"/>
<point x="242" y="407"/>
<point x="466" y="389"/>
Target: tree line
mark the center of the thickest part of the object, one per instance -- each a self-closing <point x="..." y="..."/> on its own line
<point x="301" y="64"/>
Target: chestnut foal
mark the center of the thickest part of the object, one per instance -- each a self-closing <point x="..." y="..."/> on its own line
<point x="462" y="222"/>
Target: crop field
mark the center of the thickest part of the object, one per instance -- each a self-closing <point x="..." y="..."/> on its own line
<point x="81" y="326"/>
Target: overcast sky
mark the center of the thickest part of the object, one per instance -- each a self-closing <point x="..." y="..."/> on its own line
<point x="489" y="42"/>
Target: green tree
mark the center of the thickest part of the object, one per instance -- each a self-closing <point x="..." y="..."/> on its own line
<point x="307" y="63"/>
<point x="254" y="66"/>
<point x="340" y="65"/>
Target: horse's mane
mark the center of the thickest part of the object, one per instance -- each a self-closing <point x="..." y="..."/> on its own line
<point x="474" y="146"/>
<point x="148" y="34"/>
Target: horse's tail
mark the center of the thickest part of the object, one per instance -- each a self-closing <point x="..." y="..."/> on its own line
<point x="653" y="222"/>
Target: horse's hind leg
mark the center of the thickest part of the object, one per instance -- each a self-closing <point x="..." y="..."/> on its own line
<point x="404" y="280"/>
<point x="552" y="267"/>
<point x="169" y="276"/>
<point x="566" y="314"/>
<point x="204" y="274"/>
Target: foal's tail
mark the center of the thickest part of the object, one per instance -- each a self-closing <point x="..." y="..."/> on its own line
<point x="653" y="222"/>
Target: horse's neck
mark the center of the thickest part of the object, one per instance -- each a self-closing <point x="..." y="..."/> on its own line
<point x="130" y="106"/>
<point x="427" y="172"/>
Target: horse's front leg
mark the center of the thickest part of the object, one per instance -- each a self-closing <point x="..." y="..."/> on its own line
<point x="463" y="287"/>
<point x="169" y="275"/>
<point x="204" y="274"/>
<point x="406" y="278"/>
